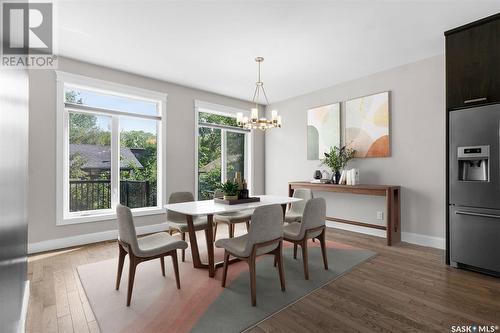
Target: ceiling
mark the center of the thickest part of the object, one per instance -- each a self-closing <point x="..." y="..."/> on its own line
<point x="211" y="45"/>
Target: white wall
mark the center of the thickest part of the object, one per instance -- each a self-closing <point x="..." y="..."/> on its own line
<point x="179" y="156"/>
<point x="417" y="162"/>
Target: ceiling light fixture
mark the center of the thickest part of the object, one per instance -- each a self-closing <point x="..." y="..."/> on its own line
<point x="254" y="121"/>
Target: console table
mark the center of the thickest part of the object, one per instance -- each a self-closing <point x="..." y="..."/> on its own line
<point x="392" y="196"/>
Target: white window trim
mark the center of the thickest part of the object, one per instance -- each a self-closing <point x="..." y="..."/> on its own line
<point x="62" y="200"/>
<point x="201" y="106"/>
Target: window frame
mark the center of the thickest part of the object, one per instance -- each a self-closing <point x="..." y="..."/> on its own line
<point x="201" y="106"/>
<point x="64" y="79"/>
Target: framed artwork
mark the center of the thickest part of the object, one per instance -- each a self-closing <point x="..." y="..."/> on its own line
<point x="367" y="125"/>
<point x="323" y="130"/>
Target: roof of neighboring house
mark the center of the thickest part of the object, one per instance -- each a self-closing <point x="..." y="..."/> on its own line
<point x="99" y="157"/>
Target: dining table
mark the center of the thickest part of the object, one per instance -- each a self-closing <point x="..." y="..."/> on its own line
<point x="209" y="208"/>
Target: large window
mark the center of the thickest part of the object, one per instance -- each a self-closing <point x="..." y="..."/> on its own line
<point x="223" y="149"/>
<point x="109" y="149"/>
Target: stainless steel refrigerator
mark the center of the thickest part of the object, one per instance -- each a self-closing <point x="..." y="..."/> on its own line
<point x="475" y="188"/>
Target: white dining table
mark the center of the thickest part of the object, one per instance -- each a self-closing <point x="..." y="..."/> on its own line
<point x="209" y="208"/>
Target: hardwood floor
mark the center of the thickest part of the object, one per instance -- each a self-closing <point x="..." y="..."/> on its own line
<point x="406" y="288"/>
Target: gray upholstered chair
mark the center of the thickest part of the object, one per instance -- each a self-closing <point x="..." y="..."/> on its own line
<point x="264" y="237"/>
<point x="312" y="226"/>
<point x="294" y="214"/>
<point x="231" y="219"/>
<point x="141" y="249"/>
<point x="177" y="221"/>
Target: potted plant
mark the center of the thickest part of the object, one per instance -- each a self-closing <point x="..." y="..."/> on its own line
<point x="230" y="190"/>
<point x="337" y="159"/>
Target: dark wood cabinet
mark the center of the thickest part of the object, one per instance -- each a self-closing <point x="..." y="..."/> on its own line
<point x="473" y="64"/>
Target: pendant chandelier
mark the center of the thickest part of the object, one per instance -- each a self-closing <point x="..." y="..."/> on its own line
<point x="254" y="121"/>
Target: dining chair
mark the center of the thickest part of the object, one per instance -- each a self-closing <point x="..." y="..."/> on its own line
<point x="177" y="221"/>
<point x="158" y="245"/>
<point x="231" y="219"/>
<point x="294" y="214"/>
<point x="311" y="227"/>
<point x="265" y="236"/>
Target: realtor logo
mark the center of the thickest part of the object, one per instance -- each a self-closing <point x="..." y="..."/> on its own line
<point x="27" y="35"/>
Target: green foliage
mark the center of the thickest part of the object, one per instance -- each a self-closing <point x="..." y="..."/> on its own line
<point x="148" y="158"/>
<point x="337" y="158"/>
<point x="209" y="146"/>
<point x="83" y="129"/>
<point x="209" y="153"/>
<point x="205" y="117"/>
<point x="230" y="188"/>
<point x="77" y="161"/>
<point x="208" y="182"/>
<point x="72" y="96"/>
<point x="137" y="139"/>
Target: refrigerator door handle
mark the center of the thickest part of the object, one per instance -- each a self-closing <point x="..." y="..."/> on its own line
<point x="459" y="212"/>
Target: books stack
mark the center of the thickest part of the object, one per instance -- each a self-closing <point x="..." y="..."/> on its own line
<point x="349" y="177"/>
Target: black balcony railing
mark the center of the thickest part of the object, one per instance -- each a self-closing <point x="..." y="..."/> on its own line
<point x="96" y="194"/>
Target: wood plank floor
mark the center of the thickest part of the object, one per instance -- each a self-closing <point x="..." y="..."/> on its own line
<point x="406" y="288"/>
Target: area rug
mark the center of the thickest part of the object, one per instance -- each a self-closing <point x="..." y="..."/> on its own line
<point x="202" y="305"/>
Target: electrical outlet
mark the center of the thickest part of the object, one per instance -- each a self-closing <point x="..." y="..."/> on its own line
<point x="380" y="215"/>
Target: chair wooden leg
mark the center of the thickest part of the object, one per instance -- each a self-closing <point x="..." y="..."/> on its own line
<point x="281" y="271"/>
<point x="183" y="236"/>
<point x="131" y="276"/>
<point x="162" y="262"/>
<point x="323" y="248"/>
<point x="253" y="278"/>
<point x="231" y="230"/>
<point x="176" y="269"/>
<point x="224" y="271"/>
<point x="121" y="259"/>
<point x="294" y="250"/>
<point x="304" y="258"/>
<point x="215" y="230"/>
<point x="248" y="225"/>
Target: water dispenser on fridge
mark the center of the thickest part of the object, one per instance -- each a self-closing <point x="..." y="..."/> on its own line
<point x="473" y="163"/>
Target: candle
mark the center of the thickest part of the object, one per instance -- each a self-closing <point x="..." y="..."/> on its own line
<point x="255" y="114"/>
<point x="274" y="114"/>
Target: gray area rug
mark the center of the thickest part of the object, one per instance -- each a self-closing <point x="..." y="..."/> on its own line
<point x="232" y="310"/>
<point x="202" y="305"/>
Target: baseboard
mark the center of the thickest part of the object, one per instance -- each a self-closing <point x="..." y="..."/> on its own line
<point x="408" y="237"/>
<point x="424" y="240"/>
<point x="61" y="243"/>
<point x="21" y="327"/>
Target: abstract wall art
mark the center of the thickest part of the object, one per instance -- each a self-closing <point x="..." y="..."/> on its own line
<point x="323" y="130"/>
<point x="367" y="125"/>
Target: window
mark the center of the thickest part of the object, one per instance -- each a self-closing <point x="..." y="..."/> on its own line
<point x="223" y="148"/>
<point x="109" y="149"/>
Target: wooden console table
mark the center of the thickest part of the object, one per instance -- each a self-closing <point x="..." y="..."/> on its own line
<point x="392" y="196"/>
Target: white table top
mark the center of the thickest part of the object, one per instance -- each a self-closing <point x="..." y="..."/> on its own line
<point x="206" y="207"/>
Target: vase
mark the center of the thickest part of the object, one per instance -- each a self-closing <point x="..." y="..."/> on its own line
<point x="243" y="194"/>
<point x="335" y="177"/>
